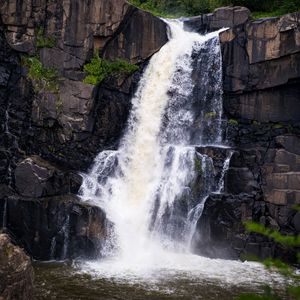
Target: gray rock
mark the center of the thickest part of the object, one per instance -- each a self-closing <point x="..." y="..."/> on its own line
<point x="34" y="177"/>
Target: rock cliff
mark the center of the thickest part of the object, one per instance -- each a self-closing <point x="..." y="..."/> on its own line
<point x="48" y="137"/>
<point x="261" y="76"/>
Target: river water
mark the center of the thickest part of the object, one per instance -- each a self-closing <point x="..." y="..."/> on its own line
<point x="210" y="280"/>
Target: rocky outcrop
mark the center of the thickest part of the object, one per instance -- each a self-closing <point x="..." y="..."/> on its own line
<point x="58" y="227"/>
<point x="49" y="135"/>
<point x="225" y="17"/>
<point x="16" y="272"/>
<point x="261" y="101"/>
<point x="35" y="177"/>
<point x="64" y="125"/>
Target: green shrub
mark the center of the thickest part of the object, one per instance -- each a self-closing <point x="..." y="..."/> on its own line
<point x="233" y="122"/>
<point x="42" y="41"/>
<point x="43" y="78"/>
<point x="285" y="269"/>
<point x="210" y="115"/>
<point x="100" y="69"/>
<point x="175" y="8"/>
<point x="198" y="165"/>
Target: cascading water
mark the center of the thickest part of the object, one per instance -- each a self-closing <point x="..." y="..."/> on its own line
<point x="141" y="186"/>
<point x="153" y="188"/>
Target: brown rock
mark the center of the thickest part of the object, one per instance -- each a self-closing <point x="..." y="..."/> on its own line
<point x="271" y="105"/>
<point x="269" y="39"/>
<point x="290" y="143"/>
<point x="229" y="17"/>
<point x="137" y="45"/>
<point x="16" y="272"/>
<point x="80" y="27"/>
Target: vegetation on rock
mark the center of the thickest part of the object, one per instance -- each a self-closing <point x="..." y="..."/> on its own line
<point x="233" y="122"/>
<point x="43" y="41"/>
<point x="285" y="269"/>
<point x="100" y="69"/>
<point x="43" y="78"/>
<point x="171" y="8"/>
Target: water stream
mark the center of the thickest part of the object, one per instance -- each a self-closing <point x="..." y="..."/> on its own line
<point x="153" y="188"/>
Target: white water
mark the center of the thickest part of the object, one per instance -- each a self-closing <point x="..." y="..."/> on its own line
<point x="145" y="186"/>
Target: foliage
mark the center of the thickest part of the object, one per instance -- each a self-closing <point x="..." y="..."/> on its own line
<point x="169" y="8"/>
<point x="43" y="78"/>
<point x="198" y="165"/>
<point x="285" y="269"/>
<point x="286" y="240"/>
<point x="100" y="69"/>
<point x="42" y="41"/>
<point x="210" y="115"/>
<point x="267" y="295"/>
<point x="233" y="122"/>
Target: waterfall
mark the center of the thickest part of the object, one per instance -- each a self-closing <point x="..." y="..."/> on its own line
<point x="153" y="188"/>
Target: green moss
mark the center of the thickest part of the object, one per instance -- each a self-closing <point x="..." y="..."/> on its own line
<point x="43" y="41"/>
<point x="278" y="126"/>
<point x="58" y="105"/>
<point x="43" y="78"/>
<point x="100" y="69"/>
<point x="198" y="165"/>
<point x="233" y="122"/>
<point x="210" y="115"/>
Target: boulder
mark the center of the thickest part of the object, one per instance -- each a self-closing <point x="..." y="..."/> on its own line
<point x="16" y="272"/>
<point x="58" y="227"/>
<point x="35" y="177"/>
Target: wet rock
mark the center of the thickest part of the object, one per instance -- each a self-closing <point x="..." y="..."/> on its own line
<point x="240" y="180"/>
<point x="55" y="227"/>
<point x="16" y="272"/>
<point x="221" y="234"/>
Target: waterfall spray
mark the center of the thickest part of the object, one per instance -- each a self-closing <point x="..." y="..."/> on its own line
<point x="145" y="187"/>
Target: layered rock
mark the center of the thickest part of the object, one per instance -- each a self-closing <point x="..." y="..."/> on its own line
<point x="49" y="135"/>
<point x="58" y="227"/>
<point x="16" y="272"/>
<point x="261" y="75"/>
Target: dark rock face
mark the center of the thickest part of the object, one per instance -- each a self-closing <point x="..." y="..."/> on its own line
<point x="49" y="137"/>
<point x="36" y="178"/>
<point x="57" y="227"/>
<point x="16" y="272"/>
<point x="262" y="101"/>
